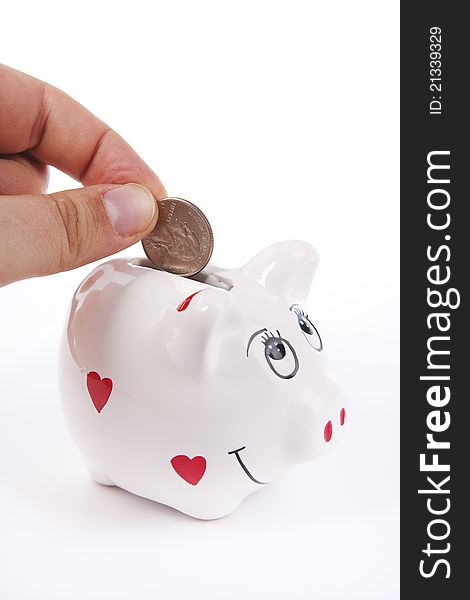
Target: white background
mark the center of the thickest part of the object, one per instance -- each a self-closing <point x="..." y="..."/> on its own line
<point x="280" y="120"/>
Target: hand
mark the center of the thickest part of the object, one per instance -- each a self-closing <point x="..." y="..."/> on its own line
<point x="46" y="233"/>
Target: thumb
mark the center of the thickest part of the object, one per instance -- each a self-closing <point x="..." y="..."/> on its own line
<point x="47" y="233"/>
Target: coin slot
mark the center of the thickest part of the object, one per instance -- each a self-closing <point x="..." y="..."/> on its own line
<point x="212" y="279"/>
<point x="143" y="262"/>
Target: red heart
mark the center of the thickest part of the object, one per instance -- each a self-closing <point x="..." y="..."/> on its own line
<point x="99" y="389"/>
<point x="190" y="469"/>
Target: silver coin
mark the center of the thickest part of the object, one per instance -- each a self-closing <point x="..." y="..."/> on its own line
<point x="182" y="241"/>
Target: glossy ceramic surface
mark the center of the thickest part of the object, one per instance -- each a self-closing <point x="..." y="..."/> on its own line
<point x="196" y="393"/>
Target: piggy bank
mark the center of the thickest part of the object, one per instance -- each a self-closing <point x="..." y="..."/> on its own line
<point x="195" y="392"/>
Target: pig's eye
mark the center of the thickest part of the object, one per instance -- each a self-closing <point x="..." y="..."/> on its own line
<point x="279" y="353"/>
<point x="307" y="327"/>
<point x="275" y="348"/>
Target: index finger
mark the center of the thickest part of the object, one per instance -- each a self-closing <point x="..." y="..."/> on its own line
<point x="50" y="125"/>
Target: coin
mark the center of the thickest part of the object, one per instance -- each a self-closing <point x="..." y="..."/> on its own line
<point x="182" y="241"/>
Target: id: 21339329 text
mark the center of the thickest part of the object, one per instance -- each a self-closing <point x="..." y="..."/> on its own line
<point x="435" y="70"/>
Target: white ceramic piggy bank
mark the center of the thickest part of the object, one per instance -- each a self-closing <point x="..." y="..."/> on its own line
<point x="195" y="392"/>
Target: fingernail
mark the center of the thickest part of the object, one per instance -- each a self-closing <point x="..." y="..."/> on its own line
<point x="130" y="208"/>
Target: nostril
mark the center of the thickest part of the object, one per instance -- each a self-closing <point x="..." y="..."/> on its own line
<point x="342" y="416"/>
<point x="328" y="431"/>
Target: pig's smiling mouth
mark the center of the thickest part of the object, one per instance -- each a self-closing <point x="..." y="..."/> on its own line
<point x="242" y="465"/>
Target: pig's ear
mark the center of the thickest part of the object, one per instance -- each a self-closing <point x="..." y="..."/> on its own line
<point x="193" y="329"/>
<point x="285" y="269"/>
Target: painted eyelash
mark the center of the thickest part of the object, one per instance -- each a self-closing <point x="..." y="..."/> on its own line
<point x="299" y="311"/>
<point x="271" y="335"/>
<point x="264" y="332"/>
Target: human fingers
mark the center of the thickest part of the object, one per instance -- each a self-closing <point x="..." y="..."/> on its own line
<point x="55" y="129"/>
<point x="48" y="233"/>
<point x="22" y="174"/>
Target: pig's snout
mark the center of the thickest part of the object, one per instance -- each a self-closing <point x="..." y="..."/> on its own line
<point x="328" y="430"/>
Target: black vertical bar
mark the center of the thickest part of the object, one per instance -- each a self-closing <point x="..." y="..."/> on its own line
<point x="434" y="119"/>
